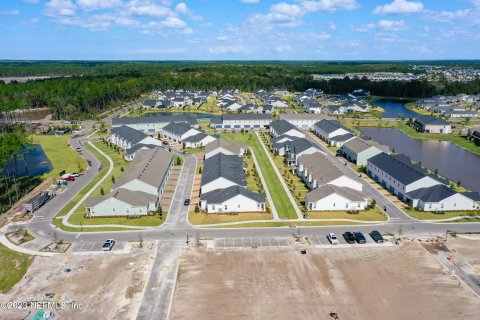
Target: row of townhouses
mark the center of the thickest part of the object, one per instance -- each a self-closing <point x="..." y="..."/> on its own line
<point x="223" y="185"/>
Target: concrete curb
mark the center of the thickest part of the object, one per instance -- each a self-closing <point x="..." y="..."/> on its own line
<point x="14" y="247"/>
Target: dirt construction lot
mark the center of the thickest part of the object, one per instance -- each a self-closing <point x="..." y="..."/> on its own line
<point x="402" y="282"/>
<point x="107" y="285"/>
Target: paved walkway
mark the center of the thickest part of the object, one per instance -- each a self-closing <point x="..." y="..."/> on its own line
<point x="290" y="197"/>
<point x="267" y="192"/>
<point x="14" y="247"/>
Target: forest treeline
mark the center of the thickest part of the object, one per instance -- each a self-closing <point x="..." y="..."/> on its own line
<point x="93" y="87"/>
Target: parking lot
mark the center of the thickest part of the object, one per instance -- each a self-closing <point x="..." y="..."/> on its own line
<point x="119" y="247"/>
<point x="319" y="239"/>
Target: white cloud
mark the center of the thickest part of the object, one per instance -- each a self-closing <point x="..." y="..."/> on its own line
<point x="10" y="12"/>
<point x="174" y="23"/>
<point x="229" y="50"/>
<point x="30" y="1"/>
<point x="62" y="8"/>
<point x="98" y="4"/>
<point x="332" y="26"/>
<point x="446" y="16"/>
<point x="250" y="1"/>
<point x="400" y="7"/>
<point x="182" y="7"/>
<point x="149" y="9"/>
<point x="391" y="25"/>
<point x="329" y="5"/>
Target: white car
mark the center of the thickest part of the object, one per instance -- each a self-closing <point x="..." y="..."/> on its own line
<point x="78" y="149"/>
<point x="108" y="245"/>
<point x="332" y="238"/>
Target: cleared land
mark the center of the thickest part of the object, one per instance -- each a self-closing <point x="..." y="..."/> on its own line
<point x="60" y="154"/>
<point x="91" y="282"/>
<point x="283" y="284"/>
<point x="13" y="266"/>
<point x="283" y="205"/>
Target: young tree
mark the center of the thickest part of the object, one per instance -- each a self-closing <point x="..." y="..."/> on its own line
<point x="102" y="192"/>
<point x="113" y="178"/>
<point x="199" y="170"/>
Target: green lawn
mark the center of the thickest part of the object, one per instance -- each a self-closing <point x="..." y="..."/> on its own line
<point x="60" y="154"/>
<point x="367" y="215"/>
<point x="13" y="266"/>
<point x="280" y="198"/>
<point x="58" y="223"/>
<point x="454" y="138"/>
<point x="413" y="106"/>
<point x="425" y="215"/>
<point x="212" y="218"/>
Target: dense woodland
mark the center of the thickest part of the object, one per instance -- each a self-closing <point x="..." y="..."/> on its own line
<point x="88" y="88"/>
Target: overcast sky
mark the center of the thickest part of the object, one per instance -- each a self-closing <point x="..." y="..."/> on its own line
<point x="240" y="29"/>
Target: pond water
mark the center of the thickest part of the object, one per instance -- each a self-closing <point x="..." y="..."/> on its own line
<point x="451" y="161"/>
<point x="394" y="108"/>
<point x="35" y="163"/>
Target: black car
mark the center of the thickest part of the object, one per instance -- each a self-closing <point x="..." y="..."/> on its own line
<point x="349" y="237"/>
<point x="359" y="237"/>
<point x="186" y="202"/>
<point x="376" y="236"/>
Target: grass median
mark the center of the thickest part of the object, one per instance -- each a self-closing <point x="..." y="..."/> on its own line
<point x="279" y="196"/>
<point x="428" y="215"/>
<point x="213" y="218"/>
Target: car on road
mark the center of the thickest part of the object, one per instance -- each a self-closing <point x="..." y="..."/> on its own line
<point x="78" y="149"/>
<point x="186" y="202"/>
<point x="69" y="178"/>
<point x="332" y="238"/>
<point x="377" y="236"/>
<point x="349" y="237"/>
<point x="165" y="143"/>
<point x="108" y="245"/>
<point x="359" y="237"/>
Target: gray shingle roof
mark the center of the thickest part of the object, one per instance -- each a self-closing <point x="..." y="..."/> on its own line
<point x="358" y="145"/>
<point x="126" y="133"/>
<point x="221" y="195"/>
<point x="329" y="125"/>
<point x="320" y="167"/>
<point x="149" y="166"/>
<point x="343" y="137"/>
<point x="326" y="190"/>
<point x="232" y="146"/>
<point x="139" y="146"/>
<point x="255" y="116"/>
<point x="196" y="138"/>
<point x="432" y="194"/>
<point x="282" y="126"/>
<point x="399" y="166"/>
<point x="430" y="120"/>
<point x="177" y="128"/>
<point x="229" y="167"/>
<point x="475" y="196"/>
<point x="298" y="145"/>
<point x="133" y="198"/>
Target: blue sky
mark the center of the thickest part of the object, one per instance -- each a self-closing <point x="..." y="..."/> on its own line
<point x="240" y="29"/>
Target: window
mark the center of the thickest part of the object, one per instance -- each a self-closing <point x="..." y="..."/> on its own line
<point x="334" y="204"/>
<point x="226" y="207"/>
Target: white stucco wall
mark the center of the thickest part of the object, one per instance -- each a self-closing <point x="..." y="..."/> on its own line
<point x="239" y="203"/>
<point x="335" y="202"/>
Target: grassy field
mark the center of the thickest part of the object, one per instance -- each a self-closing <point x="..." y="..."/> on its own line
<point x="425" y="215"/>
<point x="367" y="215"/>
<point x="60" y="154"/>
<point x="13" y="266"/>
<point x="413" y="106"/>
<point x="454" y="138"/>
<point x="58" y="223"/>
<point x="145" y="221"/>
<point x="203" y="218"/>
<point x="283" y="205"/>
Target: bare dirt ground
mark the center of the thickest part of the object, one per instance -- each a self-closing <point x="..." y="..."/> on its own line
<point x="107" y="285"/>
<point x="468" y="247"/>
<point x="402" y="282"/>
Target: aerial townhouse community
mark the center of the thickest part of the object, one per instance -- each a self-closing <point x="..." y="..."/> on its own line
<point x="459" y="106"/>
<point x="332" y="132"/>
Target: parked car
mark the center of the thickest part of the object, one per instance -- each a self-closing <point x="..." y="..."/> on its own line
<point x="359" y="237"/>
<point x="186" y="202"/>
<point x="78" y="149"/>
<point x="332" y="238"/>
<point x="69" y="178"/>
<point x="349" y="237"/>
<point x="376" y="236"/>
<point x="165" y="143"/>
<point x="108" y="245"/>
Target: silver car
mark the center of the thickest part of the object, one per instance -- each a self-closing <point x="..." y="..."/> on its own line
<point x="332" y="238"/>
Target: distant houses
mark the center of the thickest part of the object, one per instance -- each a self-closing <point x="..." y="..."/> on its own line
<point x="186" y="135"/>
<point x="303" y="120"/>
<point x="138" y="189"/>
